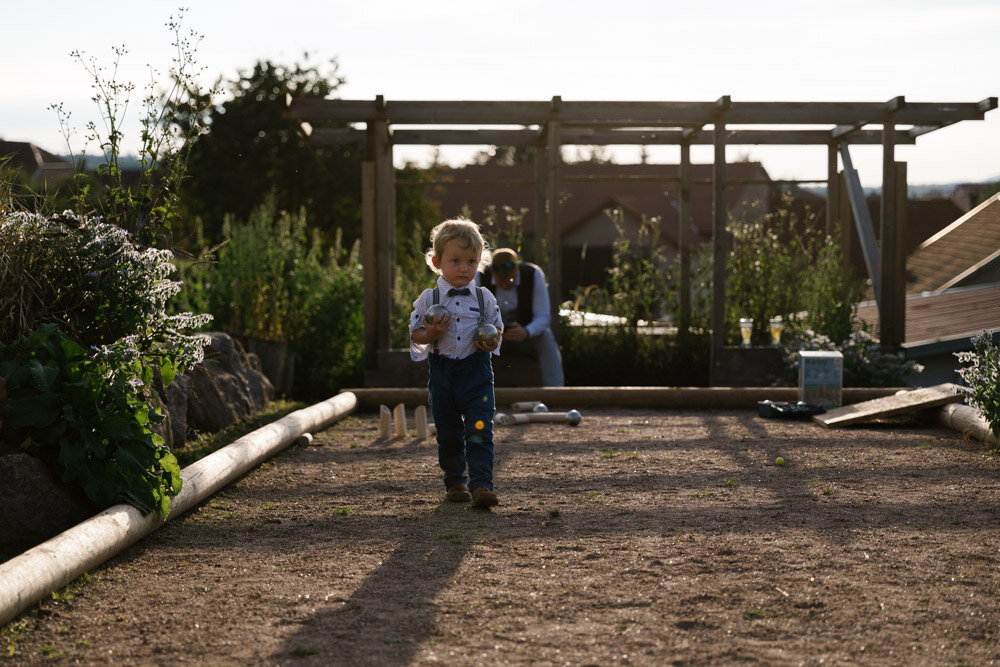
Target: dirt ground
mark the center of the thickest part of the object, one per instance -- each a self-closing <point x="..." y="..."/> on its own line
<point x="646" y="538"/>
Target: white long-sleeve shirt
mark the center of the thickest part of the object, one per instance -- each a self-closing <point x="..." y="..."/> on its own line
<point x="457" y="341"/>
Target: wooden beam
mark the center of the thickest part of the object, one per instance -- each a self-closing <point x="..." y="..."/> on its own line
<point x="457" y="137"/>
<point x="336" y="136"/>
<point x="652" y="137"/>
<point x="838" y="133"/>
<point x="635" y="114"/>
<point x="862" y="220"/>
<point x="987" y="104"/>
<point x="339" y="136"/>
<point x="895" y="104"/>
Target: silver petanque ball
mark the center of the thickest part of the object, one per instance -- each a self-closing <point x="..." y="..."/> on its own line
<point x="486" y="334"/>
<point x="541" y="407"/>
<point x="573" y="417"/>
<point x="435" y="313"/>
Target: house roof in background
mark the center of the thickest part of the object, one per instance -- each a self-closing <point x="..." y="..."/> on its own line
<point x="957" y="313"/>
<point x="587" y="188"/>
<point x="957" y="251"/>
<point x="37" y="162"/>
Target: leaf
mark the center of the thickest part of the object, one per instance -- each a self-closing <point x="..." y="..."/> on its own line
<point x="40" y="411"/>
<point x="117" y="428"/>
<point x="43" y="376"/>
<point x="168" y="370"/>
<point x="72" y="460"/>
<point x="133" y="463"/>
<point x="172" y="469"/>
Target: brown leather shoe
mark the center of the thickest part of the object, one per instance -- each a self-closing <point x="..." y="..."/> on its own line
<point x="458" y="493"/>
<point x="484" y="497"/>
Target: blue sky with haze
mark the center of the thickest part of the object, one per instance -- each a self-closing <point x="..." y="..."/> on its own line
<point x="772" y="50"/>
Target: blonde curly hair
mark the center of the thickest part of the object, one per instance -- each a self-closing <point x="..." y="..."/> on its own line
<point x="458" y="229"/>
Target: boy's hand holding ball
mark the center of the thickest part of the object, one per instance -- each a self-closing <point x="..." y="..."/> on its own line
<point x="487" y="337"/>
<point x="436" y="320"/>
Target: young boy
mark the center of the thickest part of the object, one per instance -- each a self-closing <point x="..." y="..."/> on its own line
<point x="461" y="371"/>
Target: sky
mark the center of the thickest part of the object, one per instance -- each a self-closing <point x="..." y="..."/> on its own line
<point x="650" y="50"/>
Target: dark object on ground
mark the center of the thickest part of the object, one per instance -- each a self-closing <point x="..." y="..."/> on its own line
<point x="787" y="409"/>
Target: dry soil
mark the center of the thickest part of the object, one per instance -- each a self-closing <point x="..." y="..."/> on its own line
<point x="652" y="538"/>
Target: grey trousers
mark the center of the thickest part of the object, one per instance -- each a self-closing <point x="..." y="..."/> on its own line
<point x="545" y="350"/>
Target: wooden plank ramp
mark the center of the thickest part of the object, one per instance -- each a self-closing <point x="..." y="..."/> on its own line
<point x="904" y="401"/>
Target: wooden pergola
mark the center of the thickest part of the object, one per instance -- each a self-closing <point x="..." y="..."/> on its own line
<point x="548" y="125"/>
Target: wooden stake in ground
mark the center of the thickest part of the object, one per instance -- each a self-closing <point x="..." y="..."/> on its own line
<point x="385" y="416"/>
<point x="399" y="414"/>
<point x="424" y="430"/>
<point x="904" y="401"/>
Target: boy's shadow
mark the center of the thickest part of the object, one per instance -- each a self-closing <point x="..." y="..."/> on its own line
<point x="395" y="605"/>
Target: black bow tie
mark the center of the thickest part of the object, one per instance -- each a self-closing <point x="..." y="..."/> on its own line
<point x="459" y="291"/>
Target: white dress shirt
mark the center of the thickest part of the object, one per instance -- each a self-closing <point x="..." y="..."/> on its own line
<point x="457" y="341"/>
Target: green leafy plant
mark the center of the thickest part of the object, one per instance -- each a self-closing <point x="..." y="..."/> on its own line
<point x="982" y="377"/>
<point x="782" y="263"/>
<point x="91" y="279"/>
<point x="86" y="416"/>
<point x="275" y="280"/>
<point x="147" y="206"/>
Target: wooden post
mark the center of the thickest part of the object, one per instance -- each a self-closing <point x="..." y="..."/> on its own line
<point x="541" y="197"/>
<point x="684" y="242"/>
<point x="720" y="245"/>
<point x="889" y="246"/>
<point x="385" y="228"/>
<point x="847" y="224"/>
<point x="833" y="215"/>
<point x="899" y="264"/>
<point x="553" y="270"/>
<point x="369" y="261"/>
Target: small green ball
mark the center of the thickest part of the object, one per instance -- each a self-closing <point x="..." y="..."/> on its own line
<point x="779" y="461"/>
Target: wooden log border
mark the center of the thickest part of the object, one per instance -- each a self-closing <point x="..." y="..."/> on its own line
<point x="27" y="579"/>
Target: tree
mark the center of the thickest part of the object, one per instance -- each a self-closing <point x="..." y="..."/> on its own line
<point x="251" y="152"/>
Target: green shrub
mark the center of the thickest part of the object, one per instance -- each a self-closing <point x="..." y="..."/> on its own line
<point x="89" y="278"/>
<point x="783" y="264"/>
<point x="982" y="376"/>
<point x="85" y="415"/>
<point x="274" y="281"/>
<point x="83" y="331"/>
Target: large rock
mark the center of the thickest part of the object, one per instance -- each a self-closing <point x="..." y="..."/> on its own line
<point x="177" y="408"/>
<point x="34" y="504"/>
<point x="226" y="387"/>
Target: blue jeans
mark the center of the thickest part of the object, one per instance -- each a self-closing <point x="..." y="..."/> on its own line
<point x="463" y="405"/>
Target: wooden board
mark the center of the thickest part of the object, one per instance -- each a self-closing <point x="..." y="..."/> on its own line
<point x="904" y="401"/>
